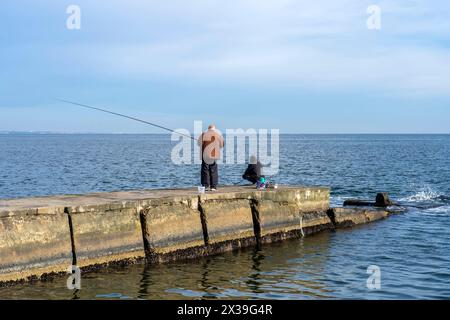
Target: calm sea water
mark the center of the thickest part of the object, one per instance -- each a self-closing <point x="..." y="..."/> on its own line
<point x="412" y="250"/>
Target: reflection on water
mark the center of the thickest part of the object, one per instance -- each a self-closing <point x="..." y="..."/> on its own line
<point x="249" y="273"/>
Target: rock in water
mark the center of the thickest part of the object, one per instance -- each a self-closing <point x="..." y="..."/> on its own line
<point x="382" y="200"/>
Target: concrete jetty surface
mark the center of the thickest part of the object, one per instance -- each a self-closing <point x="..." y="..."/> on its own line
<point x="42" y="236"/>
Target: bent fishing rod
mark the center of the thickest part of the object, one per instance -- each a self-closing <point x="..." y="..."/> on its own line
<point x="124" y="116"/>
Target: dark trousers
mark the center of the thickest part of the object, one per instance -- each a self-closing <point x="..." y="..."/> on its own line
<point x="210" y="175"/>
<point x="252" y="178"/>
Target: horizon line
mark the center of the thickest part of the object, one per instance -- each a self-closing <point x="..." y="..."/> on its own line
<point x="6" y="132"/>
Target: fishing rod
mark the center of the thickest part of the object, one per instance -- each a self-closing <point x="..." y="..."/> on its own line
<point x="124" y="116"/>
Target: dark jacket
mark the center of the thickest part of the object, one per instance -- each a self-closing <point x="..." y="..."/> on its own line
<point x="253" y="172"/>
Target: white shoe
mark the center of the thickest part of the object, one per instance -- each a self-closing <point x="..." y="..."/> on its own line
<point x="213" y="189"/>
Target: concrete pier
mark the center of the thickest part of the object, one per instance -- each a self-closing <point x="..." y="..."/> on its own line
<point x="45" y="235"/>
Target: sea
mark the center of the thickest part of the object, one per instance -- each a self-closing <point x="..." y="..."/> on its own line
<point x="410" y="252"/>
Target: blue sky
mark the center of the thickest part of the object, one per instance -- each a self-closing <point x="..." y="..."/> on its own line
<point x="299" y="66"/>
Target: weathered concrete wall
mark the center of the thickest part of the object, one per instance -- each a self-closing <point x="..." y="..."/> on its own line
<point x="195" y="225"/>
<point x="292" y="213"/>
<point x="44" y="235"/>
<point x="349" y="217"/>
<point x="106" y="233"/>
<point x="228" y="221"/>
<point x="172" y="227"/>
<point x="33" y="242"/>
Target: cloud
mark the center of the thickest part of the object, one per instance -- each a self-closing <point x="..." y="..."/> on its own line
<point x="291" y="43"/>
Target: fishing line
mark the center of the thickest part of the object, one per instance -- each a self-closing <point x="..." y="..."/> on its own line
<point x="125" y="116"/>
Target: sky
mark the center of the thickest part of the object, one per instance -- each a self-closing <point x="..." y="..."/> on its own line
<point x="297" y="66"/>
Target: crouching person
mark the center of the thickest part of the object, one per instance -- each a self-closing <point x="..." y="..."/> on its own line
<point x="253" y="171"/>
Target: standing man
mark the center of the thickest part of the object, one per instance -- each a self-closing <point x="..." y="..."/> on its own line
<point x="210" y="142"/>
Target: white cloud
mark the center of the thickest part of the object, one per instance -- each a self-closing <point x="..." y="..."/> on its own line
<point x="306" y="44"/>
